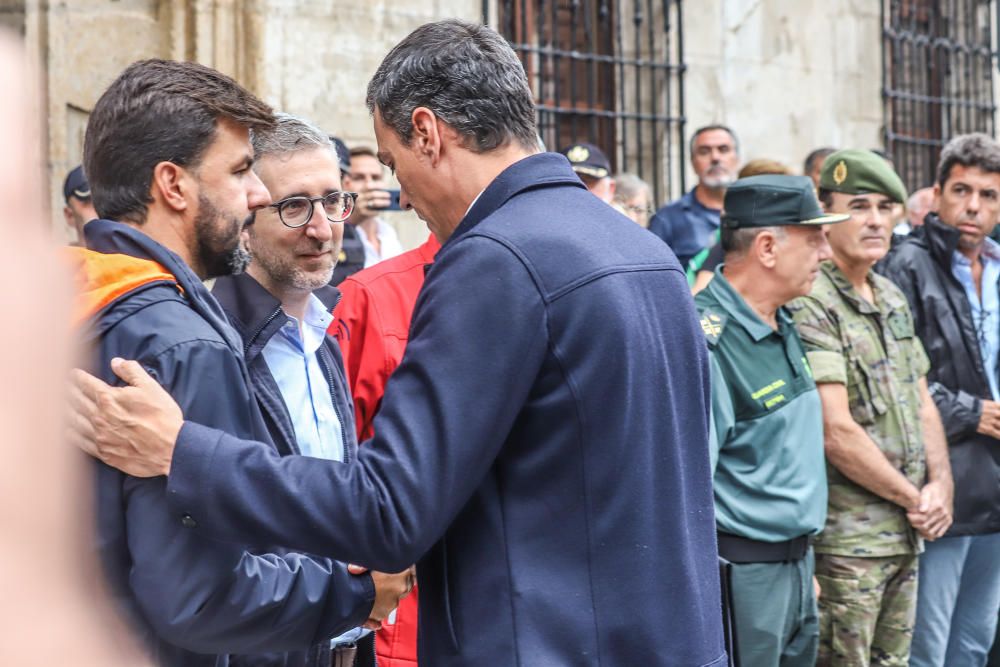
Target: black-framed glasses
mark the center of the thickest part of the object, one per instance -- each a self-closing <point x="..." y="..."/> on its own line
<point x="295" y="212"/>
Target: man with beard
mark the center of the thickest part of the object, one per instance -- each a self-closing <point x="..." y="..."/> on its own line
<point x="889" y="481"/>
<point x="169" y="159"/>
<point x="281" y="305"/>
<point x="691" y="223"/>
<point x="949" y="270"/>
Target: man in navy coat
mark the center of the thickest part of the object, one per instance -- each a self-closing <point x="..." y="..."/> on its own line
<point x="541" y="451"/>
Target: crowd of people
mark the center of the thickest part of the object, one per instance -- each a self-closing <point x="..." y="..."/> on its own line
<point x="799" y="466"/>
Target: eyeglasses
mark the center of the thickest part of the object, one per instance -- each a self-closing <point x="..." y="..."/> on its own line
<point x="295" y="212"/>
<point x="639" y="210"/>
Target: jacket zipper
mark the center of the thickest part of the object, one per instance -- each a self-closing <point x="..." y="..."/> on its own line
<point x="251" y="339"/>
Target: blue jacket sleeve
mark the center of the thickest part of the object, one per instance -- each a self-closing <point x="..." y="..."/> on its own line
<point x="209" y="596"/>
<point x="446" y="413"/>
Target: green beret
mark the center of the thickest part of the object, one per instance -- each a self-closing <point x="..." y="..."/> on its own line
<point x="860" y="172"/>
<point x="771" y="200"/>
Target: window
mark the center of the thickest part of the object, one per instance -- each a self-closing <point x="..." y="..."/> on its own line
<point x="609" y="72"/>
<point x="937" y="73"/>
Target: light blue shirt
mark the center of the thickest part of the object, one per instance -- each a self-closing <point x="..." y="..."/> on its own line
<point x="301" y="379"/>
<point x="305" y="389"/>
<point x="985" y="312"/>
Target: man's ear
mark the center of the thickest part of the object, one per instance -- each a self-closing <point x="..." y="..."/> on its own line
<point x="428" y="135"/>
<point x="764" y="245"/>
<point x="936" y="202"/>
<point x="172" y="185"/>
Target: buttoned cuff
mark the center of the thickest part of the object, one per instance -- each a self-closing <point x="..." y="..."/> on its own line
<point x="190" y="469"/>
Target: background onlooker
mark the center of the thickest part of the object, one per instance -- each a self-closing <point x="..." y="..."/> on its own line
<point x="594" y="169"/>
<point x="633" y="196"/>
<point x="367" y="178"/>
<point x="691" y="223"/>
<point x="814" y="163"/>
<point x="352" y="252"/>
<point x="79" y="209"/>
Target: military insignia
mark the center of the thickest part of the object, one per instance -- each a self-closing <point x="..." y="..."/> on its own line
<point x="712" y="325"/>
<point x="578" y="154"/>
<point x="342" y="257"/>
<point x="840" y="172"/>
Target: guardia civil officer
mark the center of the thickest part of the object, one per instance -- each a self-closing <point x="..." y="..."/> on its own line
<point x="767" y="428"/>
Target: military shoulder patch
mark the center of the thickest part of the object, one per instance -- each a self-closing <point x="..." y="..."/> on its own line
<point x="712" y="324"/>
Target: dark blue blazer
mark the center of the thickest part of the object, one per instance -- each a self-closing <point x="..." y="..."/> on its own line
<point x="542" y="449"/>
<point x="193" y="598"/>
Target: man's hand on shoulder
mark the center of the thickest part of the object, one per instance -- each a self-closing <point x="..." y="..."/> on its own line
<point x="389" y="590"/>
<point x="131" y="428"/>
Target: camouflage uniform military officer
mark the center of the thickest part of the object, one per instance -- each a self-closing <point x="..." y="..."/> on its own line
<point x="767" y="431"/>
<point x="889" y="478"/>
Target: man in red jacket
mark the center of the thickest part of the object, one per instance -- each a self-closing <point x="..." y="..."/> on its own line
<point x="372" y="324"/>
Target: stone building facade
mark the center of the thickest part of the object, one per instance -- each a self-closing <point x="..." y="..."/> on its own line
<point x="788" y="76"/>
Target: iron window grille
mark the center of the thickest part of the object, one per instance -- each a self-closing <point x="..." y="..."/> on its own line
<point x="937" y="79"/>
<point x="609" y="72"/>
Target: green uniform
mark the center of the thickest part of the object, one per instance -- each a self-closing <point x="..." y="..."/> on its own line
<point x="769" y="475"/>
<point x="866" y="554"/>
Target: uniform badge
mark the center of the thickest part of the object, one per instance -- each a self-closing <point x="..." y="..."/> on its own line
<point x="711" y="326"/>
<point x="578" y="154"/>
<point x="840" y="172"/>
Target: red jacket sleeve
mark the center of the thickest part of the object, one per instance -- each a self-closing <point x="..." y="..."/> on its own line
<point x="358" y="329"/>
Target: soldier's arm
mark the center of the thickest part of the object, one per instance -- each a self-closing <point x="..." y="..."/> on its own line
<point x="722" y="417"/>
<point x="848" y="446"/>
<point x="851" y="451"/>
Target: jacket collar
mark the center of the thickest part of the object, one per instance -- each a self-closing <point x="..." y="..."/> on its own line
<point x="255" y="312"/>
<point x="107" y="236"/>
<point x="535" y="171"/>
<point x="941" y="239"/>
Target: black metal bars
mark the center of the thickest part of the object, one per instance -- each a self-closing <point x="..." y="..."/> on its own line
<point x="610" y="72"/>
<point x="937" y="79"/>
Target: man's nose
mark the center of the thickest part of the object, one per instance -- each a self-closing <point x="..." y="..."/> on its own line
<point x="319" y="227"/>
<point x="404" y="200"/>
<point x="974" y="203"/>
<point x="257" y="193"/>
<point x="825" y="251"/>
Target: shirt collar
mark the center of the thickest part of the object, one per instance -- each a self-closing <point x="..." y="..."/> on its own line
<point x="846" y="289"/>
<point x="990" y="253"/>
<point x="312" y="333"/>
<point x="737" y="308"/>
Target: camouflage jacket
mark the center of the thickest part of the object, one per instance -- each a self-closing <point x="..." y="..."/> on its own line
<point x="872" y="350"/>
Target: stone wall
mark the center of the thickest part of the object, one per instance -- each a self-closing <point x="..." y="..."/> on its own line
<point x="787" y="76"/>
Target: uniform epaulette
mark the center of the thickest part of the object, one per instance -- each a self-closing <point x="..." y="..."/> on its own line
<point x="712" y="324"/>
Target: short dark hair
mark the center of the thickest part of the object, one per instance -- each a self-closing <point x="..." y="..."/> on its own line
<point x="969" y="150"/>
<point x="465" y="73"/>
<point x="363" y="150"/>
<point x="825" y="197"/>
<point x="817" y="155"/>
<point x="158" y="111"/>
<point x="715" y="126"/>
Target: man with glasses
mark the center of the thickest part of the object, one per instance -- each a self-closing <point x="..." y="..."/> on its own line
<point x="889" y="480"/>
<point x="281" y="305"/>
<point x="175" y="201"/>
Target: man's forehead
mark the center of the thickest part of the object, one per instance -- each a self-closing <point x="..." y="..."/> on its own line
<point x="973" y="175"/>
<point x="713" y="138"/>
